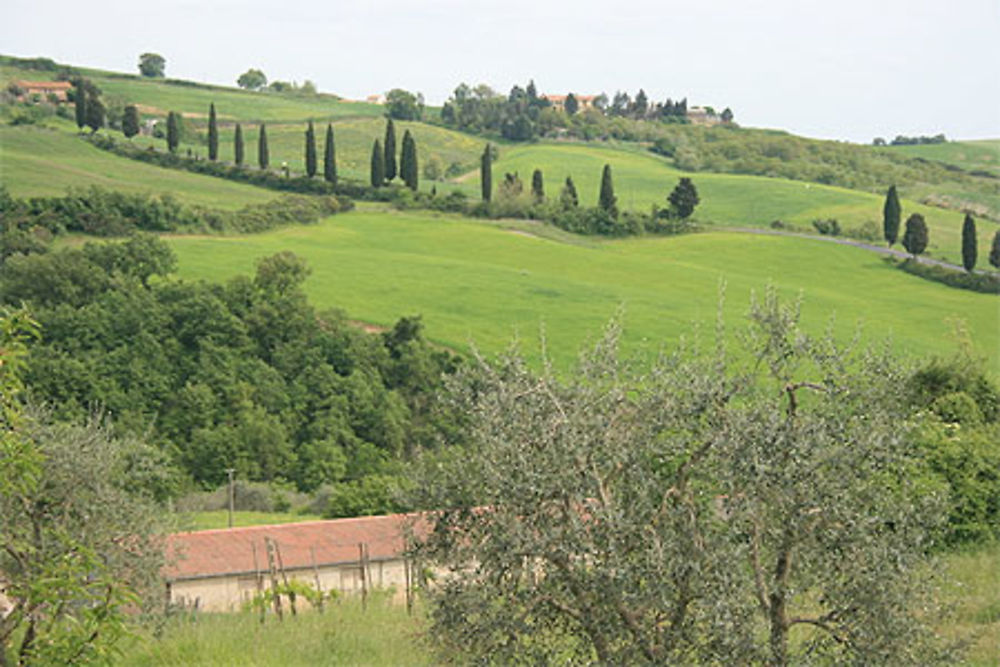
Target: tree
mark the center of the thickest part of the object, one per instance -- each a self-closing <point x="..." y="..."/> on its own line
<point x="969" y="249"/>
<point x="238" y="145"/>
<point x="252" y="79"/>
<point x="404" y="105"/>
<point x="995" y="251"/>
<point x="727" y="116"/>
<point x="80" y="103"/>
<point x="152" y="65"/>
<point x="702" y="512"/>
<point x="408" y="168"/>
<point x="486" y="173"/>
<point x="310" y="150"/>
<point x="891" y="214"/>
<point x="684" y="198"/>
<point x="607" y="201"/>
<point x="95" y="114"/>
<point x="330" y="157"/>
<point x="537" y="186"/>
<point x="915" y="236"/>
<point x="641" y="104"/>
<point x="213" y="134"/>
<point x="173" y="131"/>
<point x="263" y="155"/>
<point x="130" y="121"/>
<point x="65" y="511"/>
<point x="377" y="165"/>
<point x="571" y="106"/>
<point x="568" y="197"/>
<point x="390" y="150"/>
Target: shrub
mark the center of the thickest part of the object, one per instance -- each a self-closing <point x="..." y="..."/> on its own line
<point x="828" y="227"/>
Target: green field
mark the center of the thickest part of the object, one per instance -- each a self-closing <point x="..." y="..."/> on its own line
<point x="158" y="97"/>
<point x="983" y="155"/>
<point x="45" y="161"/>
<point x="211" y="519"/>
<point x="642" y="179"/>
<point x="483" y="284"/>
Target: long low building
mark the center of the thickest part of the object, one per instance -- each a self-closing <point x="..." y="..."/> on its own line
<point x="220" y="570"/>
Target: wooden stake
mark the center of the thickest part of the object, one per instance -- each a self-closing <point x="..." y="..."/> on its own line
<point x="269" y="543"/>
<point x="319" y="587"/>
<point x="259" y="581"/>
<point x="364" y="583"/>
<point x="284" y="576"/>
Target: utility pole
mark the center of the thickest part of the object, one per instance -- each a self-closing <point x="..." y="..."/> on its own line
<point x="232" y="494"/>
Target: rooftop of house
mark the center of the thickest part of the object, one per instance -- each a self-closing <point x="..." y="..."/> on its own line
<point x="46" y="85"/>
<point x="230" y="551"/>
<point x="562" y="98"/>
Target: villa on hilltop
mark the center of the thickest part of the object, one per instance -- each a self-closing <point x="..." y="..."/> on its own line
<point x="27" y="89"/>
<point x="558" y="102"/>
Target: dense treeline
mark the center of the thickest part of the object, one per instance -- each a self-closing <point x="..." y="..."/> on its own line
<point x="243" y="375"/>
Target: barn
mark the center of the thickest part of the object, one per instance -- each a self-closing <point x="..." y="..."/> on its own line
<point x="220" y="570"/>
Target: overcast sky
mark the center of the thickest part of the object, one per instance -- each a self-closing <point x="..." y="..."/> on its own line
<point x="840" y="69"/>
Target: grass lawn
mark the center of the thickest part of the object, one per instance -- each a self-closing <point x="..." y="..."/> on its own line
<point x="981" y="155"/>
<point x="642" y="179"/>
<point x="483" y="284"/>
<point x="45" y="161"/>
<point x="208" y="520"/>
<point x="976" y="593"/>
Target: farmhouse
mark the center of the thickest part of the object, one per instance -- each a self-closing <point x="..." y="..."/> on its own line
<point x="558" y="102"/>
<point x="219" y="570"/>
<point x="703" y="116"/>
<point x="43" y="88"/>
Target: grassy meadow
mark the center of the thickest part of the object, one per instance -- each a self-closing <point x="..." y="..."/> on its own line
<point x="642" y="179"/>
<point x="482" y="284"/>
<point x="43" y="161"/>
<point x="983" y="155"/>
<point x="213" y="519"/>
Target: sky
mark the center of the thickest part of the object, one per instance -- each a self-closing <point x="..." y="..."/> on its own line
<point x="843" y="69"/>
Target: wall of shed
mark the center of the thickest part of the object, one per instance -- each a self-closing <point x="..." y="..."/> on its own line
<point x="229" y="593"/>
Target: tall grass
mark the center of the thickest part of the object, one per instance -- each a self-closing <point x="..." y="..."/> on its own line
<point x="344" y="634"/>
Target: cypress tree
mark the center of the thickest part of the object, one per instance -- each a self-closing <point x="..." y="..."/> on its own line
<point x="568" y="198"/>
<point x="607" y="200"/>
<point x="408" y="170"/>
<point x="130" y="121"/>
<point x="330" y="157"/>
<point x="537" y="185"/>
<point x="238" y="145"/>
<point x="95" y="113"/>
<point x="263" y="156"/>
<point x="915" y="235"/>
<point x="995" y="251"/>
<point x="684" y="198"/>
<point x="378" y="165"/>
<point x="173" y="131"/>
<point x="310" y="150"/>
<point x="80" y="104"/>
<point x="486" y="173"/>
<point x="969" y="249"/>
<point x="891" y="214"/>
<point x="213" y="134"/>
<point x="390" y="151"/>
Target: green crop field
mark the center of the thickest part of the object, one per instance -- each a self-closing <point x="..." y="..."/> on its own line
<point x="642" y="179"/>
<point x="981" y="155"/>
<point x="482" y="284"/>
<point x="45" y="161"/>
<point x="213" y="519"/>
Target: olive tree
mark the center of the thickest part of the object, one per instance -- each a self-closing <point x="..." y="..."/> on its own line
<point x="718" y="507"/>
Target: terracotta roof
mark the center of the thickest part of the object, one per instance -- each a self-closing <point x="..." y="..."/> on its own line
<point x="562" y="98"/>
<point x="49" y="85"/>
<point x="228" y="551"/>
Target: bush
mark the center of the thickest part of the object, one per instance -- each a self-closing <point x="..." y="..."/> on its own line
<point x="986" y="283"/>
<point x="828" y="227"/>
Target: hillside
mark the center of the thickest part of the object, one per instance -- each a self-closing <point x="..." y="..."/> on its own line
<point x="982" y="155"/>
<point x="480" y="284"/>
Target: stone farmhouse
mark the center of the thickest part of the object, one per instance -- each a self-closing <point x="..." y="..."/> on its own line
<point x="43" y="89"/>
<point x="703" y="116"/>
<point x="558" y="102"/>
<point x="220" y="570"/>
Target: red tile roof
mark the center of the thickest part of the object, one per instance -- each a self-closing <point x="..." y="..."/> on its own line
<point x="228" y="551"/>
<point x="44" y="85"/>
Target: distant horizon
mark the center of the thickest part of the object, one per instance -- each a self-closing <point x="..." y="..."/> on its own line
<point x="850" y="72"/>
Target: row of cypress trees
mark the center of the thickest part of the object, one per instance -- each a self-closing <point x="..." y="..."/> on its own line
<point x="384" y="167"/>
<point x="916" y="235"/>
